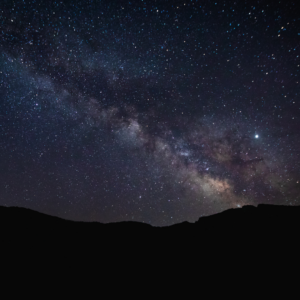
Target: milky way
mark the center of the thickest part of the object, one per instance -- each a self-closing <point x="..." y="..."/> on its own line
<point x="148" y="111"/>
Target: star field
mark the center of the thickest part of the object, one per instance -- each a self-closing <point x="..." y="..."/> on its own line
<point x="152" y="111"/>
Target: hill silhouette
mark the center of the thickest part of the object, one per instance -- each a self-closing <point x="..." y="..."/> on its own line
<point x="249" y="240"/>
<point x="261" y="222"/>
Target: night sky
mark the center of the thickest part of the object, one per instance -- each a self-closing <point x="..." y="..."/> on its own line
<point x="152" y="111"/>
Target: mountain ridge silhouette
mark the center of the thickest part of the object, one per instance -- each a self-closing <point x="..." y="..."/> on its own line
<point x="250" y="217"/>
<point x="246" y="239"/>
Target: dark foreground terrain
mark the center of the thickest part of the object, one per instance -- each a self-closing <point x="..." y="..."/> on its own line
<point x="238" y="246"/>
<point x="259" y="225"/>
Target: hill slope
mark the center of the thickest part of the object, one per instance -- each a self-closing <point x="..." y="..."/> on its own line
<point x="248" y="220"/>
